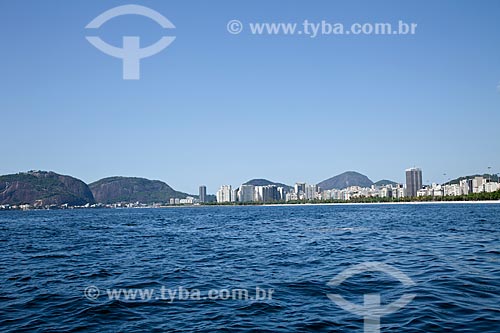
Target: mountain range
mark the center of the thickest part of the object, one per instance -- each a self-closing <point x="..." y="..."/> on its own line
<point x="46" y="188"/>
<point x="42" y="188"/>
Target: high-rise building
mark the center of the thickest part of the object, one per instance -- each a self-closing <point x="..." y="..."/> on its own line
<point x="300" y="188"/>
<point x="271" y="193"/>
<point x="282" y="193"/>
<point x="224" y="193"/>
<point x="413" y="181"/>
<point x="311" y="191"/>
<point x="268" y="193"/>
<point x="246" y="193"/>
<point x="203" y="193"/>
<point x="478" y="184"/>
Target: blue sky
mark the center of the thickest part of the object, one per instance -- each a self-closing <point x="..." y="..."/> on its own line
<point x="215" y="108"/>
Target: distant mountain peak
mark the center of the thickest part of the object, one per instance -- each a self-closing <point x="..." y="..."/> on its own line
<point x="265" y="182"/>
<point x="344" y="180"/>
<point x="385" y="182"/>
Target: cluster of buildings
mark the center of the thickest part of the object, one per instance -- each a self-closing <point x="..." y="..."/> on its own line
<point x="48" y="207"/>
<point x="464" y="187"/>
<point x="251" y="193"/>
<point x="186" y="201"/>
<point x="301" y="192"/>
<point x="414" y="187"/>
<point x="478" y="184"/>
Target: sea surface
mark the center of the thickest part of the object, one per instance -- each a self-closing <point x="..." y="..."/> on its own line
<point x="59" y="268"/>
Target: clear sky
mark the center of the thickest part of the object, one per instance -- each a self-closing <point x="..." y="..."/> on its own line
<point x="215" y="108"/>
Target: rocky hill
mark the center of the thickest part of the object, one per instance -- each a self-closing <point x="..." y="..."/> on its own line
<point x="131" y="189"/>
<point x="42" y="188"/>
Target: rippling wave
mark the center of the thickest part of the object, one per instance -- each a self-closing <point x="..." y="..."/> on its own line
<point x="450" y="251"/>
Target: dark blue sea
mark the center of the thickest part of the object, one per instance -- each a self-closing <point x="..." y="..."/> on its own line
<point x="78" y="270"/>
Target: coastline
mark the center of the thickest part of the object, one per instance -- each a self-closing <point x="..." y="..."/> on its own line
<point x="387" y="203"/>
<point x="345" y="204"/>
<point x="490" y="202"/>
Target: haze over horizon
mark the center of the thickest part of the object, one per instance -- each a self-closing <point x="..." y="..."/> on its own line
<point x="215" y="108"/>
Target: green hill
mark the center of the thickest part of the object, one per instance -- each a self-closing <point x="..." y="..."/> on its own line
<point x="42" y="188"/>
<point x="265" y="182"/>
<point x="344" y="180"/>
<point x="131" y="189"/>
<point x="493" y="177"/>
<point x="385" y="182"/>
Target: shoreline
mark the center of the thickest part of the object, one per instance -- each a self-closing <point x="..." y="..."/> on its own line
<point x="346" y="204"/>
<point x="476" y="202"/>
<point x="386" y="203"/>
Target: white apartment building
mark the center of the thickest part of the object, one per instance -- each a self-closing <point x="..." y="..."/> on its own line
<point x="246" y="193"/>
<point x="224" y="194"/>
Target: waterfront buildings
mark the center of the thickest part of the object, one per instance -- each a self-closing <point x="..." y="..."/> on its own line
<point x="268" y="193"/>
<point x="224" y="194"/>
<point x="310" y="192"/>
<point x="413" y="181"/>
<point x="300" y="189"/>
<point x="203" y="194"/>
<point x="246" y="193"/>
<point x="187" y="201"/>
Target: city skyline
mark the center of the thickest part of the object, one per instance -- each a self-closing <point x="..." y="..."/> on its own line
<point x="342" y="188"/>
<point x="205" y="190"/>
<point x="302" y="192"/>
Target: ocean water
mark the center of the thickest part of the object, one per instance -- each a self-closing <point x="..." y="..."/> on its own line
<point x="53" y="262"/>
